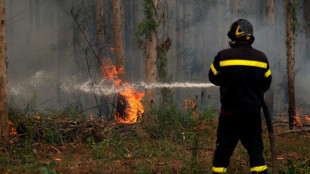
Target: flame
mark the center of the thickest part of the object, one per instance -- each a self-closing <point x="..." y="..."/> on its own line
<point x="307" y="118"/>
<point x="114" y="49"/>
<point x="12" y="129"/>
<point x="37" y="116"/>
<point x="91" y="117"/>
<point x="297" y="119"/>
<point x="191" y="106"/>
<point x="132" y="97"/>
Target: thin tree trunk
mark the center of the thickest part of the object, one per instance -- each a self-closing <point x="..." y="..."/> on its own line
<point x="270" y="11"/>
<point x="3" y="82"/>
<point x="137" y="74"/>
<point x="128" y="41"/>
<point x="99" y="28"/>
<point x="236" y="7"/>
<point x="307" y="30"/>
<point x="103" y="108"/>
<point x="290" y="63"/>
<point x="117" y="27"/>
<point x="205" y="68"/>
<point x="150" y="60"/>
<point x="61" y="54"/>
<point x="270" y="18"/>
<point x="179" y="50"/>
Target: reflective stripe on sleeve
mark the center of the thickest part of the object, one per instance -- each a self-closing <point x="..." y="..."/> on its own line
<point x="219" y="169"/>
<point x="215" y="72"/>
<point x="259" y="168"/>
<point x="243" y="63"/>
<point x="268" y="73"/>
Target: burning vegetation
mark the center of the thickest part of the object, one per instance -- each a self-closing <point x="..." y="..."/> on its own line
<point x="135" y="109"/>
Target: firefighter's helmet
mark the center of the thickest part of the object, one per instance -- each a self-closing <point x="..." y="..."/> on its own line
<point x="241" y="30"/>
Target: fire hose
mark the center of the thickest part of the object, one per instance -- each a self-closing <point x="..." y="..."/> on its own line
<point x="272" y="139"/>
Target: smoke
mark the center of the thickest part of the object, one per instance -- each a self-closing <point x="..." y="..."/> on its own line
<point x="49" y="56"/>
<point x="33" y="83"/>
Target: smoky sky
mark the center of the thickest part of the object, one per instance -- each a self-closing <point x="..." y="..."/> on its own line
<point x="46" y="49"/>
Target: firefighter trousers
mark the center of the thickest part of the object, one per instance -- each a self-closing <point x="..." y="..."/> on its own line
<point x="232" y="128"/>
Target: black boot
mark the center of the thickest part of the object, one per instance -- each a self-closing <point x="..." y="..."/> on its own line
<point x="262" y="172"/>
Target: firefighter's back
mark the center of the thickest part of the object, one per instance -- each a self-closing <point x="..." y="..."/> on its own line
<point x="243" y="75"/>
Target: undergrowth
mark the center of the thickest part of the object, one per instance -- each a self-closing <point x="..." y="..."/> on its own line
<point x="174" y="140"/>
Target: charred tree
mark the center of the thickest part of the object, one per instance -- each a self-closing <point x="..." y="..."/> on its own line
<point x="290" y="30"/>
<point x="270" y="19"/>
<point x="103" y="108"/>
<point x="119" y="53"/>
<point x="118" y="42"/>
<point x="3" y="82"/>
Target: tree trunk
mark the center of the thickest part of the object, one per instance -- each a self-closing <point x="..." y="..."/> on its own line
<point x="270" y="18"/>
<point x="178" y="48"/>
<point x="307" y="30"/>
<point x="99" y="28"/>
<point x="103" y="108"/>
<point x="3" y="82"/>
<point x="150" y="60"/>
<point x="270" y="11"/>
<point x="128" y="41"/>
<point x="236" y="7"/>
<point x="290" y="63"/>
<point x="118" y="42"/>
<point x="136" y="74"/>
<point x="61" y="54"/>
<point x="119" y="53"/>
<point x="205" y="68"/>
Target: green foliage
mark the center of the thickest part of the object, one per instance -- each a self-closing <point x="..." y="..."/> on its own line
<point x="71" y="111"/>
<point x="147" y="25"/>
<point x="292" y="9"/>
<point x="297" y="168"/>
<point x="295" y="23"/>
<point x="49" y="169"/>
<point x="52" y="135"/>
<point x="169" y="121"/>
<point x="109" y="148"/>
<point x="162" y="72"/>
<point x="29" y="108"/>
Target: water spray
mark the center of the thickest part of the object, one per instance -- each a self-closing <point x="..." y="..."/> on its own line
<point x="104" y="87"/>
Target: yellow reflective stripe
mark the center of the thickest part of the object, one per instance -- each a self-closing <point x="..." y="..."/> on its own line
<point x="214" y="70"/>
<point x="258" y="168"/>
<point x="243" y="63"/>
<point x="219" y="169"/>
<point x="268" y="73"/>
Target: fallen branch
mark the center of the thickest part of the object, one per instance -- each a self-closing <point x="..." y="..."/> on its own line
<point x="294" y="131"/>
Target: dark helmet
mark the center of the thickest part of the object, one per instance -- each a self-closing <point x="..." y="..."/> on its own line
<point x="241" y="30"/>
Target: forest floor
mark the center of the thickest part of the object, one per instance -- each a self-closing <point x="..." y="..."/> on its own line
<point x="173" y="141"/>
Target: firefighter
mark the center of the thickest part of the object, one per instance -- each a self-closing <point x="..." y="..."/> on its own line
<point x="243" y="75"/>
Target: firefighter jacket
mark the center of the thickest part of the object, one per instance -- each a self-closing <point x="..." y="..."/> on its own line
<point x="243" y="75"/>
